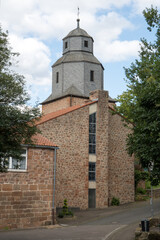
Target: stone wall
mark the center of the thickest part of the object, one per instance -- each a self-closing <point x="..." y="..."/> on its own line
<point x="71" y="134"/>
<point x="121" y="165"/>
<point x="77" y="43"/>
<point x="102" y="150"/>
<point x="155" y="192"/>
<point x="62" y="104"/>
<point x="114" y="168"/>
<point x="26" y="197"/>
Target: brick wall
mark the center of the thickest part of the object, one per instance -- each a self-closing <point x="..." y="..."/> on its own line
<point x="56" y="105"/>
<point x="114" y="168"/>
<point x="102" y="150"/>
<point x="70" y="132"/>
<point x="121" y="165"/>
<point x="62" y="104"/>
<point x="26" y="197"/>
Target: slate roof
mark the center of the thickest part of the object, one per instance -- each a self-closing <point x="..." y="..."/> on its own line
<point x="77" y="57"/>
<point x="78" y="32"/>
<point x="70" y="91"/>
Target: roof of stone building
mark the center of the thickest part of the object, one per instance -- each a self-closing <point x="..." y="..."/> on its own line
<point x="59" y="113"/>
<point x="71" y="91"/>
<point x="78" y="32"/>
<point x="77" y="57"/>
<point x="40" y="140"/>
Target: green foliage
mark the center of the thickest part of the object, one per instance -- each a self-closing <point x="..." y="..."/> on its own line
<point x="141" y="197"/>
<point x="115" y="201"/>
<point x="141" y="102"/>
<point x="140" y="176"/>
<point x="148" y="185"/>
<point x="70" y="213"/>
<point x="16" y="119"/>
<point x="65" y="211"/>
<point x="140" y="190"/>
<point x="65" y="207"/>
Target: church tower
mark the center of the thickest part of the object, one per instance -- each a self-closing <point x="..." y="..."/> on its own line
<point x="78" y="71"/>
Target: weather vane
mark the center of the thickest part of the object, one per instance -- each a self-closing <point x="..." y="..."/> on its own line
<point x="78" y="20"/>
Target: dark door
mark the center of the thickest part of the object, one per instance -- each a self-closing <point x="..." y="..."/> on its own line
<point x="92" y="198"/>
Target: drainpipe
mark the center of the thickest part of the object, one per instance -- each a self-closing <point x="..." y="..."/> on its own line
<point x="54" y="184"/>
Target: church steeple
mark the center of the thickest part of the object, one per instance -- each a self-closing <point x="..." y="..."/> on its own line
<point x="78" y="71"/>
<point x="78" y="19"/>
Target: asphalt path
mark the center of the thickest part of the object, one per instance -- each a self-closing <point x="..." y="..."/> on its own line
<point x="112" y="224"/>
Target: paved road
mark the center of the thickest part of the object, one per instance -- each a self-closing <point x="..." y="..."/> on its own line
<point x="110" y="224"/>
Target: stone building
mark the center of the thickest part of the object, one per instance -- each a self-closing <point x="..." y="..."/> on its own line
<point x="27" y="191"/>
<point x="92" y="165"/>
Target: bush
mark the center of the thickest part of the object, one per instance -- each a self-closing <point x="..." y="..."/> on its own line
<point x="70" y="213"/>
<point x="61" y="215"/>
<point x="140" y="190"/>
<point x="115" y="201"/>
<point x="65" y="207"/>
<point x="65" y="211"/>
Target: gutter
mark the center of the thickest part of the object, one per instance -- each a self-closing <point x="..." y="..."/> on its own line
<point x="54" y="184"/>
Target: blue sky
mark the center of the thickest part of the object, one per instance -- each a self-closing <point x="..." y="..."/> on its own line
<point x="37" y="27"/>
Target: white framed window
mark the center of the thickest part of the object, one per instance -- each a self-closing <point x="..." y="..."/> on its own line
<point x="18" y="165"/>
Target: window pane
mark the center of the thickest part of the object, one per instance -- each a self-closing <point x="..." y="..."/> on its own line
<point x="92" y="176"/>
<point x="57" y="77"/>
<point x="92" y="128"/>
<point x="92" y="138"/>
<point x="92" y="166"/>
<point x="92" y="118"/>
<point x="15" y="163"/>
<point x="66" y="44"/>
<point x="23" y="163"/>
<point x="19" y="164"/>
<point x="91" y="76"/>
<point x="86" y="43"/>
<point x="92" y="148"/>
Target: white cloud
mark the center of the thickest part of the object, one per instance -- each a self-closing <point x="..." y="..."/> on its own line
<point x="34" y="23"/>
<point x="46" y="18"/>
<point x="34" y="59"/>
<point x="34" y="64"/>
<point x="118" y="51"/>
<point x="140" y="5"/>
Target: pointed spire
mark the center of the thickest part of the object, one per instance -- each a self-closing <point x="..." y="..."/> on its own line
<point x="78" y="20"/>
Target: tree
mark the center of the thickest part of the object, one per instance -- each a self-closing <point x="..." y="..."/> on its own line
<point x="141" y="102"/>
<point x="16" y="119"/>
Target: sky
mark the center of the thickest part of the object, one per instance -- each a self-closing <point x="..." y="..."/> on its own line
<point x="37" y="27"/>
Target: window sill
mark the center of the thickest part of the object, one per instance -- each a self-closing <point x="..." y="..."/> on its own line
<point x="17" y="170"/>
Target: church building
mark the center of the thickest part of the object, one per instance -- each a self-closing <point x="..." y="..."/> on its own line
<point x="92" y="163"/>
<point x="80" y="154"/>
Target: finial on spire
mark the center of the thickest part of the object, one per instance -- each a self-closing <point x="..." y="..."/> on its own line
<point x="78" y="20"/>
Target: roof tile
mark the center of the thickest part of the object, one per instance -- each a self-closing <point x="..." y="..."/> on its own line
<point x="40" y="140"/>
<point x="59" y="113"/>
